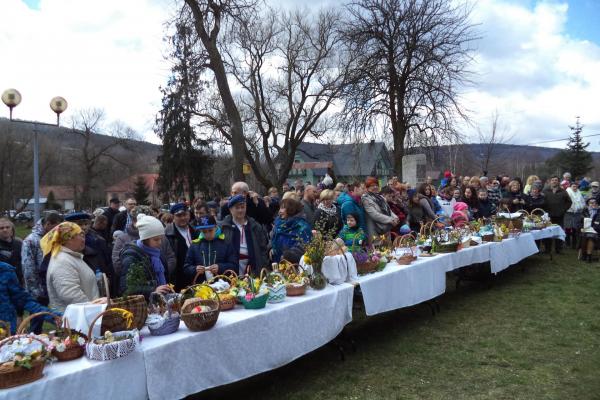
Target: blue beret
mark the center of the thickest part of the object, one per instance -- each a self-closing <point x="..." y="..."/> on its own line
<point x="175" y="208"/>
<point x="238" y="198"/>
<point x="77" y="216"/>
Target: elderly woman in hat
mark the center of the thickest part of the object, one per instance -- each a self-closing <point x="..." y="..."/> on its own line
<point x="69" y="279"/>
<point x="143" y="266"/>
<point x="247" y="237"/>
<point x="210" y="254"/>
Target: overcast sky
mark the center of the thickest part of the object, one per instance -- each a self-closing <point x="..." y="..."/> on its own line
<point x="538" y="62"/>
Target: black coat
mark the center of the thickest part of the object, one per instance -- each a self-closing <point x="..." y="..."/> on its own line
<point x="485" y="209"/>
<point x="257" y="241"/>
<point x="119" y="222"/>
<point x="10" y="253"/>
<point x="260" y="213"/>
<point x="180" y="249"/>
<point x="531" y="203"/>
<point x="110" y="214"/>
<point x="557" y="203"/>
<point x="508" y="199"/>
<point x="131" y="255"/>
<point x="327" y="224"/>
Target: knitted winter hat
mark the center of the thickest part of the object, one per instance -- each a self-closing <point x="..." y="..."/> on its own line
<point x="460" y="206"/>
<point x="149" y="227"/>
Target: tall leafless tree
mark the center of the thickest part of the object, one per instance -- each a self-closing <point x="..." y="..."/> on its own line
<point x="491" y="137"/>
<point x="209" y="17"/>
<point x="411" y="60"/>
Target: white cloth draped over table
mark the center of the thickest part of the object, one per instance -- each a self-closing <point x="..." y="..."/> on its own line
<point x="81" y="315"/>
<point x="337" y="269"/>
<point x="244" y="343"/>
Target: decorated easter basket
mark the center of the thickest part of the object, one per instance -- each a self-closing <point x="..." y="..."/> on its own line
<point x="405" y="242"/>
<point x="204" y="320"/>
<point x="135" y="304"/>
<point x="227" y="300"/>
<point x="14" y="373"/>
<point x="102" y="349"/>
<point x="276" y="283"/>
<point x="68" y="349"/>
<point x="159" y="304"/>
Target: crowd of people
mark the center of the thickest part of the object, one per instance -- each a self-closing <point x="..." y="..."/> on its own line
<point x="142" y="249"/>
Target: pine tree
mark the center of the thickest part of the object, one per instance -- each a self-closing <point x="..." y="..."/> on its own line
<point x="577" y="159"/>
<point x="141" y="191"/>
<point x="51" y="202"/>
<point x="185" y="165"/>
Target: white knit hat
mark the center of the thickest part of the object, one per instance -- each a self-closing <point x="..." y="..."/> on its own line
<point x="149" y="227"/>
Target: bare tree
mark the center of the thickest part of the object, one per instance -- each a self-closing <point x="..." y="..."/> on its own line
<point x="208" y="18"/>
<point x="411" y="59"/>
<point x="95" y="153"/>
<point x="490" y="139"/>
<point x="291" y="71"/>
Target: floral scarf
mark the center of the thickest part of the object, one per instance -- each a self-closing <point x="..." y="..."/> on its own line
<point x="331" y="211"/>
<point x="53" y="241"/>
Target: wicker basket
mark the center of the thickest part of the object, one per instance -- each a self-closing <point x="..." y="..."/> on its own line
<point x="11" y="375"/>
<point x="134" y="304"/>
<point x="201" y="321"/>
<point x="294" y="289"/>
<point x="367" y="267"/>
<point x="227" y="300"/>
<point x="511" y="223"/>
<point x="71" y="352"/>
<point x="111" y="351"/>
<point x="405" y="241"/>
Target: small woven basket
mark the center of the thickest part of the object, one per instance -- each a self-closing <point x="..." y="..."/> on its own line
<point x="294" y="289"/>
<point x="111" y="351"/>
<point x="204" y="320"/>
<point x="72" y="351"/>
<point x="226" y="300"/>
<point x="12" y="375"/>
<point x="404" y="242"/>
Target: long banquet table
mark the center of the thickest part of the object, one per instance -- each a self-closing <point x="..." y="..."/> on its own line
<point x="244" y="343"/>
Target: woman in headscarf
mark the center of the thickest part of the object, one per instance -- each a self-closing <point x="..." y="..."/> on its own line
<point x="69" y="279"/>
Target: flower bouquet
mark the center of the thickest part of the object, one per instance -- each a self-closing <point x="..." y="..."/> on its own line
<point x="314" y="253"/>
<point x="296" y="278"/>
<point x="22" y="359"/>
<point x="163" y="313"/>
<point x="446" y="240"/>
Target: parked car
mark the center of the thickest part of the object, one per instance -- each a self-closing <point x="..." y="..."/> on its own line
<point x="24" y="216"/>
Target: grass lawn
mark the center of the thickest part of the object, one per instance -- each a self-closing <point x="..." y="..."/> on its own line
<point x="534" y="335"/>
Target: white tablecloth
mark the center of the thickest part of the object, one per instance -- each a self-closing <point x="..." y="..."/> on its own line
<point x="470" y="255"/>
<point x="553" y="231"/>
<point x="399" y="286"/>
<point x="124" y="378"/>
<point x="245" y="343"/>
<point x="511" y="251"/>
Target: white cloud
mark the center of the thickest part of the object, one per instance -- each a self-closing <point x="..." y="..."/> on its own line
<point x="105" y="54"/>
<point x="536" y="75"/>
<point x="109" y="54"/>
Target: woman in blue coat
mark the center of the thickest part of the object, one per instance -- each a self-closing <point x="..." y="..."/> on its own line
<point x="13" y="297"/>
<point x="291" y="230"/>
<point x="210" y="253"/>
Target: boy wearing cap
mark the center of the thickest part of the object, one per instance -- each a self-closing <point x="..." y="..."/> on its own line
<point x="210" y="254"/>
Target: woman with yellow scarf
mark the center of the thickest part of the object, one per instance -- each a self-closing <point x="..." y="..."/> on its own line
<point x="69" y="279"/>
